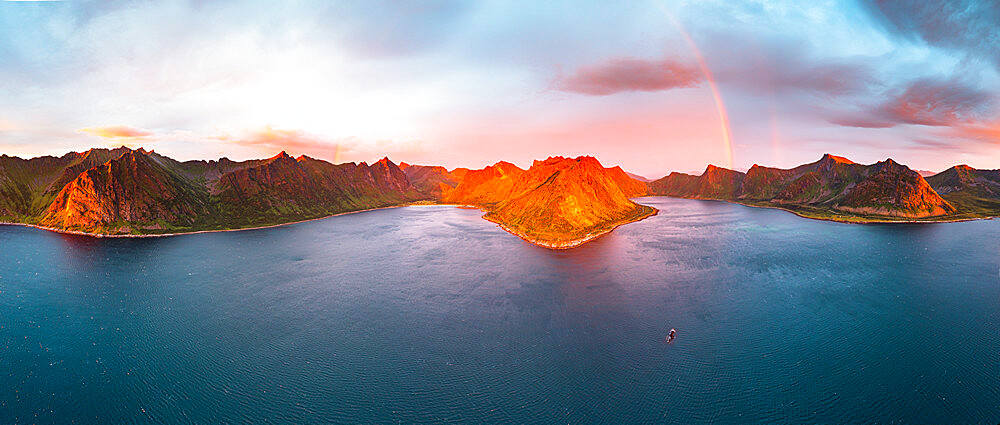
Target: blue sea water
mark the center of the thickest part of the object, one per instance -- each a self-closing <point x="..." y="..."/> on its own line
<point x="430" y="314"/>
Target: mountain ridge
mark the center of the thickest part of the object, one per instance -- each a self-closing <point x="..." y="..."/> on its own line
<point x="832" y="188"/>
<point x="125" y="192"/>
<point x="557" y="202"/>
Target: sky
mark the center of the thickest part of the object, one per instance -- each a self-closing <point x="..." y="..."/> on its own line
<point x="654" y="86"/>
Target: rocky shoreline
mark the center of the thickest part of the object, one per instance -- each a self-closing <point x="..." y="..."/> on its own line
<point x="195" y="232"/>
<point x="846" y="220"/>
<point x="570" y="243"/>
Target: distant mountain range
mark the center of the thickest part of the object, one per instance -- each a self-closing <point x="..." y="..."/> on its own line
<point x="835" y="188"/>
<point x="556" y="203"/>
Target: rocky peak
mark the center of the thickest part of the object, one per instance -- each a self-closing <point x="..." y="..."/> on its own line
<point x="835" y="159"/>
<point x="589" y="161"/>
<point x="893" y="167"/>
<point x="504" y="167"/>
<point x="552" y="160"/>
<point x="281" y="156"/>
<point x="828" y="163"/>
<point x="714" y="170"/>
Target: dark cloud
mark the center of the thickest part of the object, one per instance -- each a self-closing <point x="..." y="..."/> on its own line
<point x="793" y="73"/>
<point x="833" y="78"/>
<point x="969" y="25"/>
<point x="629" y="74"/>
<point x="939" y="145"/>
<point x="861" y="120"/>
<point x="926" y="101"/>
<point x="773" y="65"/>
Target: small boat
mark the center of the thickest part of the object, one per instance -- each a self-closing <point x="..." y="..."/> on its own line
<point x="673" y="333"/>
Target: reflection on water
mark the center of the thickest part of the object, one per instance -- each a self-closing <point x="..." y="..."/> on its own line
<point x="432" y="314"/>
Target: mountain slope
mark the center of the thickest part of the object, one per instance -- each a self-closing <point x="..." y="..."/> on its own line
<point x="833" y="188"/>
<point x="430" y="180"/>
<point x="556" y="203"/>
<point x="643" y="179"/>
<point x="714" y="183"/>
<point x="577" y="200"/>
<point x="123" y="191"/>
<point x="490" y="185"/>
<point x="629" y="185"/>
<point x="894" y="190"/>
<point x="283" y="188"/>
<point x="970" y="190"/>
<point x="126" y="195"/>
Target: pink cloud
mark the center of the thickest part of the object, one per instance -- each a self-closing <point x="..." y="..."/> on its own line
<point x="278" y="139"/>
<point x="929" y="102"/>
<point x="629" y="74"/>
<point x="269" y="140"/>
<point x="862" y="120"/>
<point x="116" y="132"/>
<point x="985" y="132"/>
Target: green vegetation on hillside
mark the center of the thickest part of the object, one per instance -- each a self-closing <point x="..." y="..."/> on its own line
<point x="837" y="189"/>
<point x="126" y="192"/>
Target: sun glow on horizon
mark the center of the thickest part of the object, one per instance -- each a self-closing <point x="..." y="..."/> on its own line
<point x="464" y="84"/>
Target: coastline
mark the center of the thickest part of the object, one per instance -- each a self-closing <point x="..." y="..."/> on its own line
<point x="860" y="220"/>
<point x="570" y="243"/>
<point x="164" y="235"/>
<point x="544" y="244"/>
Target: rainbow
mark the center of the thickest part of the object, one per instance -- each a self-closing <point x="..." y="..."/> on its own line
<point x="720" y="107"/>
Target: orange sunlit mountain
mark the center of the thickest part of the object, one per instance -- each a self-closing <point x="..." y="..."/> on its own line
<point x="487" y="186"/>
<point x="557" y="203"/>
<point x="133" y="189"/>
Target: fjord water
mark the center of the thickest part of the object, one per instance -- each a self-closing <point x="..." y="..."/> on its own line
<point x="432" y="314"/>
